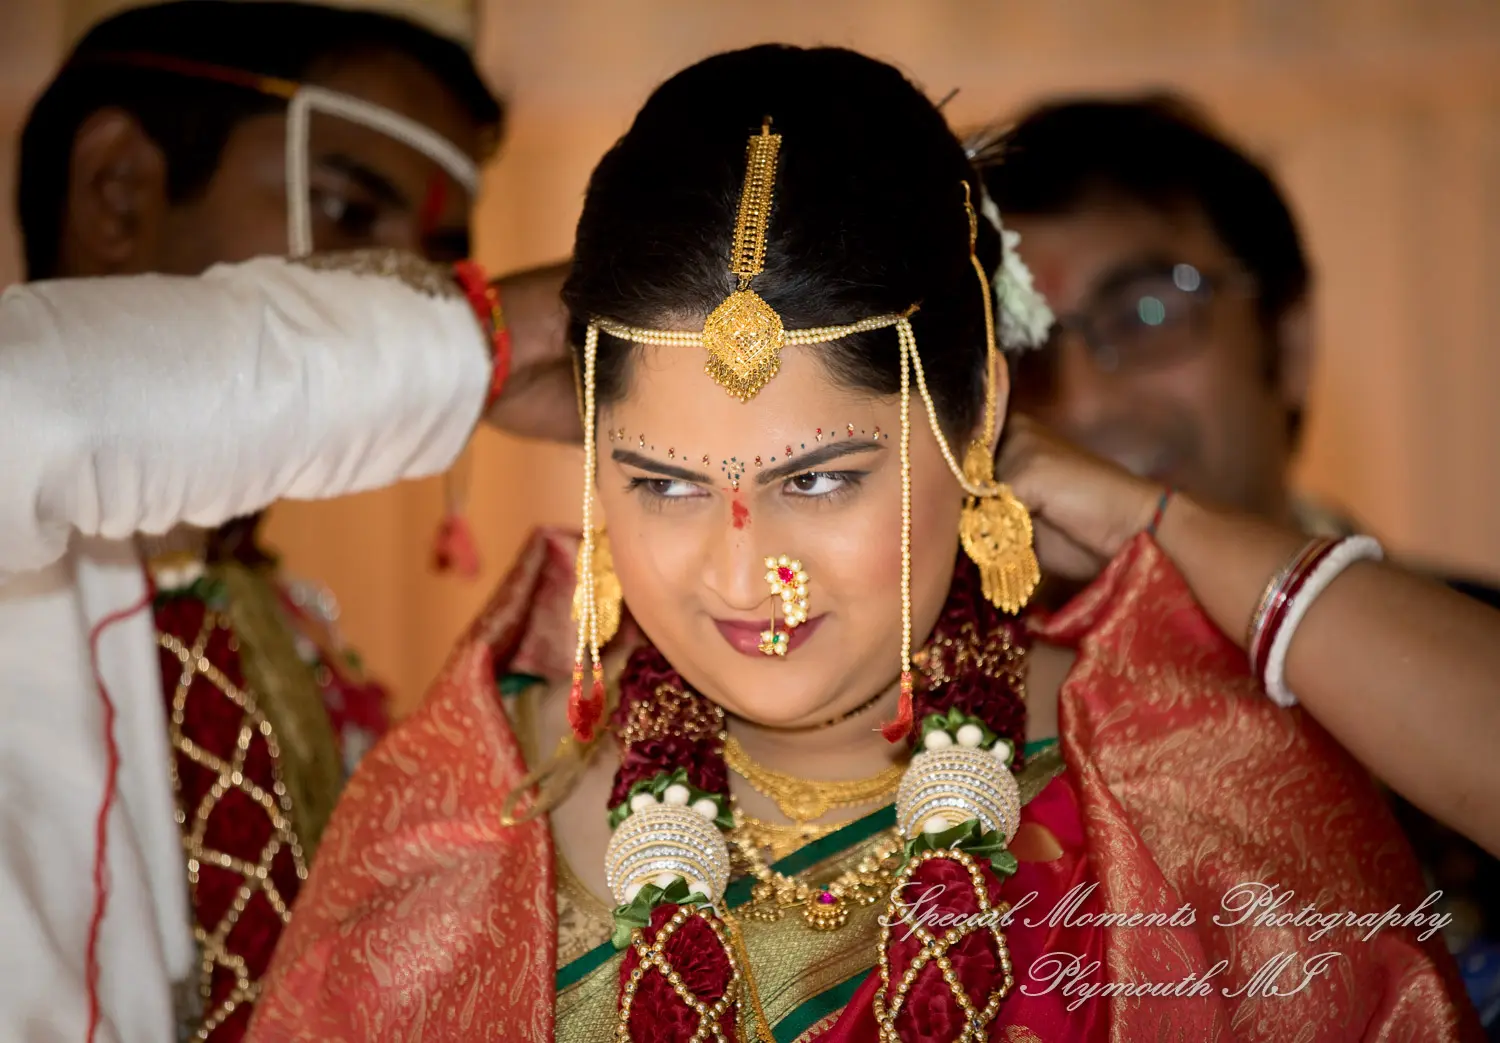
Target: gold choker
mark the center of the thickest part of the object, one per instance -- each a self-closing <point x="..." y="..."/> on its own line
<point x="806" y="800"/>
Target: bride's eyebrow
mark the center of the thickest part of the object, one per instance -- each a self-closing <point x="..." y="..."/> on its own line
<point x="646" y="463"/>
<point x="813" y="457"/>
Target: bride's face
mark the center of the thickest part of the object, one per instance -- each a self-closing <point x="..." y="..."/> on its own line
<point x="699" y="489"/>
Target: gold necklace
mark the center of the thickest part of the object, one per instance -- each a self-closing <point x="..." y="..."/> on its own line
<point x="781" y="839"/>
<point x="804" y="800"/>
<point x="826" y="907"/>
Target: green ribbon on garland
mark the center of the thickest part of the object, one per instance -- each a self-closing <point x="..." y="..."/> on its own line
<point x="969" y="838"/>
<point x="952" y="721"/>
<point x="657" y="786"/>
<point x="955" y="719"/>
<point x="637" y="914"/>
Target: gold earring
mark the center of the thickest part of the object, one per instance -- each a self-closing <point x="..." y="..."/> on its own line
<point x="788" y="581"/>
<point x="607" y="593"/>
<point x="995" y="528"/>
<point x="996" y="534"/>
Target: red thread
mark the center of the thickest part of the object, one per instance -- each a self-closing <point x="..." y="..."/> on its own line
<point x="272" y="85"/>
<point x="484" y="298"/>
<point x="1161" y="509"/>
<point x="111" y="785"/>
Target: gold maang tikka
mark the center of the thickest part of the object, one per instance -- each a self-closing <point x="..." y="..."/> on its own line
<point x="743" y="335"/>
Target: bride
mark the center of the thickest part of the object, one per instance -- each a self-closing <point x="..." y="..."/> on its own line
<point x="820" y="776"/>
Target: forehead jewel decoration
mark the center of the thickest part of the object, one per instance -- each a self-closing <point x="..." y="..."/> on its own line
<point x="744" y="335"/>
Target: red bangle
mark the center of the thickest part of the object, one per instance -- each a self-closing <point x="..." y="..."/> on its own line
<point x="1288" y="586"/>
<point x="484" y="298"/>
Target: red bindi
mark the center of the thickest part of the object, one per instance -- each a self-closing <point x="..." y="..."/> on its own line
<point x="740" y="514"/>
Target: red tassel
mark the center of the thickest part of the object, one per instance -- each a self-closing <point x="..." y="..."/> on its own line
<point x="454" y="549"/>
<point x="584" y="714"/>
<point x="895" y="731"/>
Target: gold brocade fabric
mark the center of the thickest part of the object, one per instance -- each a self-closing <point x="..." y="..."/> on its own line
<point x="424" y="276"/>
<point x="583" y="921"/>
<point x="288" y="695"/>
<point x="433" y="919"/>
<point x="243" y="860"/>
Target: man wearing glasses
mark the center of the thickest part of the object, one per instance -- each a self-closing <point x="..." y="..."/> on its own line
<point x="1183" y="350"/>
<point x="1183" y="344"/>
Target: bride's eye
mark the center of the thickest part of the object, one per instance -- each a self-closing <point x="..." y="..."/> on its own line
<point x="663" y="488"/>
<point x="822" y="484"/>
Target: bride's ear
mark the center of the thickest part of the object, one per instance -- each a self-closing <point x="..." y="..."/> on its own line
<point x="1002" y="406"/>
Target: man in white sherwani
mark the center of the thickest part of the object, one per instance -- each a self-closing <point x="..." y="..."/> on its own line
<point x="167" y="754"/>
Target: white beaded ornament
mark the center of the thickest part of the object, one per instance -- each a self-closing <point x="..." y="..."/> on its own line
<point x="945" y="787"/>
<point x="660" y="842"/>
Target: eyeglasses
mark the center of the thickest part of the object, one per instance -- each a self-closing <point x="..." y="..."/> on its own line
<point x="1148" y="319"/>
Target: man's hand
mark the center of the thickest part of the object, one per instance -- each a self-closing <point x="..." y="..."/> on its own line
<point x="540" y="398"/>
<point x="1083" y="509"/>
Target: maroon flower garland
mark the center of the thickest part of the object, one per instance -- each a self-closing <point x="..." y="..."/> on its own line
<point x="662" y="724"/>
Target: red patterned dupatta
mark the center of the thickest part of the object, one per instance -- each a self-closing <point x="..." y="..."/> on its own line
<point x="1196" y="789"/>
<point x="425" y="918"/>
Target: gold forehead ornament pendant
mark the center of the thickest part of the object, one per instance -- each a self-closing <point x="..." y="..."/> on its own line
<point x="744" y="336"/>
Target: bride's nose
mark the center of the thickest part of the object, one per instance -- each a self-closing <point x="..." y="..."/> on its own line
<point x="735" y="570"/>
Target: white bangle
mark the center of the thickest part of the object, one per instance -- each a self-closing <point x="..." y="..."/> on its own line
<point x="1346" y="553"/>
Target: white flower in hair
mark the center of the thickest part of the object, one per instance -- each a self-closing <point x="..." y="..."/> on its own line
<point x="1025" y="316"/>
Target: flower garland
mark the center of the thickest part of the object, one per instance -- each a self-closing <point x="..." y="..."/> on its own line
<point x="680" y="976"/>
<point x="1025" y="316"/>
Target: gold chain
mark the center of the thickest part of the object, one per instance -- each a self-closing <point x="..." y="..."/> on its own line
<point x="781" y="839"/>
<point x="762" y="1028"/>
<point x="803" y="800"/>
<point x="691" y="339"/>
<point x="826" y="907"/>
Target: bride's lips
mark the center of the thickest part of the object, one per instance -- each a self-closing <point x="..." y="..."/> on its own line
<point x="744" y="638"/>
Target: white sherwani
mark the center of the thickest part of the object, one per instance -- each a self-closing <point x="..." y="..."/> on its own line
<point x="133" y="405"/>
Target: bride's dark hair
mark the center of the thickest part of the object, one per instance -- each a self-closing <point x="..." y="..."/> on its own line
<point x="867" y="218"/>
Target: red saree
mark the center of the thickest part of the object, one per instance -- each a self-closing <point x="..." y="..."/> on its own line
<point x="426" y="919"/>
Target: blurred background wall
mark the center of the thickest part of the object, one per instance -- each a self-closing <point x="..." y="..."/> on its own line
<point x="1382" y="118"/>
